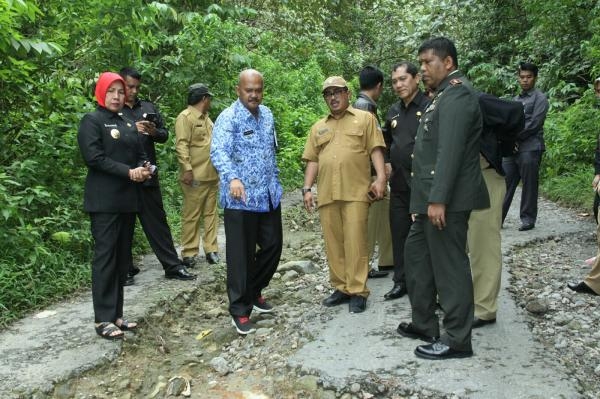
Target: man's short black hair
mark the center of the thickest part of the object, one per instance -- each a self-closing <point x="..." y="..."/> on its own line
<point x="409" y="66"/>
<point x="528" y="66"/>
<point x="131" y="72"/>
<point x="370" y="77"/>
<point x="442" y="47"/>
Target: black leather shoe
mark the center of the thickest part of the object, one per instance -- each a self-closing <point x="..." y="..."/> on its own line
<point x="398" y="291"/>
<point x="581" y="287"/>
<point x="337" y="298"/>
<point x="440" y="351"/>
<point x="477" y="322"/>
<point x="377" y="274"/>
<point x="386" y="267"/>
<point x="526" y="226"/>
<point x="407" y="330"/>
<point x="213" y="258"/>
<point x="181" y="274"/>
<point x="129" y="280"/>
<point x="190" y="261"/>
<point x="358" y="304"/>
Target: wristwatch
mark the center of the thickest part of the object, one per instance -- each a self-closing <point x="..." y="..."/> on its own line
<point x="305" y="190"/>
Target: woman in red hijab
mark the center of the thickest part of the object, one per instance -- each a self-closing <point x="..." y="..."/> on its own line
<point x="116" y="164"/>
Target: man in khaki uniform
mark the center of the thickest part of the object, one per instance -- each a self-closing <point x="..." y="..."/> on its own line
<point x="199" y="179"/>
<point x="338" y="150"/>
<point x="591" y="283"/>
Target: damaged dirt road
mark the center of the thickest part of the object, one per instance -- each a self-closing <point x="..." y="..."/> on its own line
<point x="543" y="345"/>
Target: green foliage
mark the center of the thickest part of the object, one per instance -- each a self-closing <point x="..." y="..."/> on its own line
<point x="567" y="167"/>
<point x="571" y="137"/>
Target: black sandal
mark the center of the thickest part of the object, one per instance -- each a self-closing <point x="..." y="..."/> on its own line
<point x="125" y="326"/>
<point x="106" y="330"/>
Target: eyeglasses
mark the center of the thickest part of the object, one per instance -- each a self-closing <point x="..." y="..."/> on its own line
<point x="334" y="93"/>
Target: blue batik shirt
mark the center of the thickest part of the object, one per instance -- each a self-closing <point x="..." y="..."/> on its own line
<point x="243" y="147"/>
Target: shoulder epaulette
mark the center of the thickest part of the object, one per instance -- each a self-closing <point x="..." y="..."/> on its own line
<point x="455" y="82"/>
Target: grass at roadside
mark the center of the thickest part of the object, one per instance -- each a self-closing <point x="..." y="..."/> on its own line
<point x="572" y="190"/>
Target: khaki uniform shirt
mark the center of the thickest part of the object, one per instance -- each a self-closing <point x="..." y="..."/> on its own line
<point x="193" y="132"/>
<point x="342" y="148"/>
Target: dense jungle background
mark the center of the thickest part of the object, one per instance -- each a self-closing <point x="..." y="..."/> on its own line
<point x="52" y="51"/>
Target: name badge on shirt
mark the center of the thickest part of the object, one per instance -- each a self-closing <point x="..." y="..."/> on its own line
<point x="248" y="132"/>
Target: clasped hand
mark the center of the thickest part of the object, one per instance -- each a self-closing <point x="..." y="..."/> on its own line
<point x="141" y="173"/>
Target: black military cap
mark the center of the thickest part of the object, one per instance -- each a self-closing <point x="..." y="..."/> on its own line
<point x="199" y="89"/>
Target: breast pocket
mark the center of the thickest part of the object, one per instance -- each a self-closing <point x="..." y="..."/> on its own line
<point x="200" y="135"/>
<point x="323" y="139"/>
<point x="354" y="139"/>
<point x="528" y="108"/>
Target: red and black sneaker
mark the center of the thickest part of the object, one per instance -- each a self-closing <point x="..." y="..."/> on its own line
<point x="243" y="325"/>
<point x="262" y="306"/>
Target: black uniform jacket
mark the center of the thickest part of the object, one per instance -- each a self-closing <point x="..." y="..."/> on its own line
<point x="110" y="147"/>
<point x="445" y="167"/>
<point x="138" y="113"/>
<point x="401" y="125"/>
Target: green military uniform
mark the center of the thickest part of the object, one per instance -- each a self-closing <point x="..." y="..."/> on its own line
<point x="445" y="170"/>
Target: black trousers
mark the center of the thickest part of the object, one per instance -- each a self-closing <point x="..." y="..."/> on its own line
<point x="253" y="249"/>
<point x="113" y="235"/>
<point x="437" y="265"/>
<point x="400" y="222"/>
<point x="524" y="166"/>
<point x="156" y="228"/>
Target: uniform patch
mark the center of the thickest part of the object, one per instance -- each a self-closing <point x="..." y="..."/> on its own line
<point x="455" y="82"/>
<point x="322" y="131"/>
<point x="394" y="123"/>
<point x="115" y="134"/>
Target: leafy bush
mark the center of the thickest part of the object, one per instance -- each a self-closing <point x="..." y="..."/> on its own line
<point x="571" y="137"/>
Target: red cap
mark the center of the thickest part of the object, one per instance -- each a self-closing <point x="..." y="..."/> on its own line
<point x="104" y="82"/>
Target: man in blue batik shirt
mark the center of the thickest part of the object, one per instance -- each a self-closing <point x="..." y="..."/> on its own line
<point x="243" y="152"/>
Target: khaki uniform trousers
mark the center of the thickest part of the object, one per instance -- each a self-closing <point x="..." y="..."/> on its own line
<point x="344" y="225"/>
<point x="484" y="247"/>
<point x="378" y="231"/>
<point x="199" y="201"/>
<point x="593" y="279"/>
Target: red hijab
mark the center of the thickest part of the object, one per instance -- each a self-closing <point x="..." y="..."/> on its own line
<point x="104" y="82"/>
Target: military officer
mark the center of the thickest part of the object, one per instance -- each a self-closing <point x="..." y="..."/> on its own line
<point x="446" y="184"/>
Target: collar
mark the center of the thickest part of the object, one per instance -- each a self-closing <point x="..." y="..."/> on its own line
<point x="108" y="112"/>
<point x="456" y="74"/>
<point x="417" y="99"/>
<point x="350" y="110"/>
<point x="239" y="107"/>
<point x="136" y="104"/>
<point x="366" y="97"/>
<point x="527" y="93"/>
<point x="196" y="113"/>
